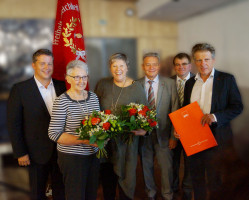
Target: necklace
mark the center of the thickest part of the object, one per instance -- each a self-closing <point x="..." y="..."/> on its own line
<point x="114" y="105"/>
<point x="81" y="107"/>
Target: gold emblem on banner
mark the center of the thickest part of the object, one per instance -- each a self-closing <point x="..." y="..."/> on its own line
<point x="68" y="40"/>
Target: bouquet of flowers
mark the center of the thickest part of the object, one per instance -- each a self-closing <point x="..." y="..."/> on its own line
<point x="137" y="116"/>
<point x="98" y="128"/>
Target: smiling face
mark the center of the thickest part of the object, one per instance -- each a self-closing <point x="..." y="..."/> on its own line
<point x="182" y="67"/>
<point x="204" y="63"/>
<point x="119" y="70"/>
<point x="151" y="67"/>
<point x="77" y="85"/>
<point x="43" y="67"/>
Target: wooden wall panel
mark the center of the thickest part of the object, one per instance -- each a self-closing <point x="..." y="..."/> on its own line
<point x="104" y="19"/>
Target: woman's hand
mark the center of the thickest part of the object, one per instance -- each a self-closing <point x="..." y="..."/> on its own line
<point x="87" y="142"/>
<point x="139" y="132"/>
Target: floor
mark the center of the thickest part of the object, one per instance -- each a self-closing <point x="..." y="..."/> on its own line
<point x="14" y="181"/>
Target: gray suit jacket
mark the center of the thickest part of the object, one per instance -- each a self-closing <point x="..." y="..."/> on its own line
<point x="167" y="102"/>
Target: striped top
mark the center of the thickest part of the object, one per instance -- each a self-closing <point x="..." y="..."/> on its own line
<point x="66" y="117"/>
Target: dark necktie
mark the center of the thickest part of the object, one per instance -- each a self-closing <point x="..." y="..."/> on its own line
<point x="151" y="97"/>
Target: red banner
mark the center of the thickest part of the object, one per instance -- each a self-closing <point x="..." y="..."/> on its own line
<point x="68" y="42"/>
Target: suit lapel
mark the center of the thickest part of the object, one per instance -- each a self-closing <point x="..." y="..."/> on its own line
<point x="216" y="89"/>
<point x="57" y="88"/>
<point x="161" y="86"/>
<point x="37" y="95"/>
<point x="189" y="91"/>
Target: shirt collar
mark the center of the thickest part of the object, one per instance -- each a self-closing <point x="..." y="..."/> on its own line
<point x="186" y="78"/>
<point x="198" y="77"/>
<point x="155" y="80"/>
<point x="39" y="84"/>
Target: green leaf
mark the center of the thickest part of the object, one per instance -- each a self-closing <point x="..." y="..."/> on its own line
<point x="100" y="143"/>
<point x="132" y="120"/>
<point x="103" y="136"/>
<point x="92" y="139"/>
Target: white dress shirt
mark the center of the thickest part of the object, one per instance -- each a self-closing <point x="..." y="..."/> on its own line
<point x="154" y="85"/>
<point x="202" y="93"/>
<point x="48" y="94"/>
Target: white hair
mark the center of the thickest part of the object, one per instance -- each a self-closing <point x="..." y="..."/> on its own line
<point x="76" y="64"/>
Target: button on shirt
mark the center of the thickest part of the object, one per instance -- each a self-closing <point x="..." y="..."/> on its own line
<point x="202" y="93"/>
<point x="48" y="94"/>
<point x="154" y="85"/>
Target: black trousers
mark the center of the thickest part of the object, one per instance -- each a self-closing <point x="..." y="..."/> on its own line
<point x="186" y="182"/>
<point x="38" y="177"/>
<point x="122" y="195"/>
<point x="80" y="175"/>
<point x="108" y="180"/>
<point x="201" y="166"/>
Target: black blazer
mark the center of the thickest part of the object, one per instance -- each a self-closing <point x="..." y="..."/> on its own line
<point x="226" y="103"/>
<point x="28" y="121"/>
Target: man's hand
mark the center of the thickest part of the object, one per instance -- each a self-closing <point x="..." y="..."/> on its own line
<point x="24" y="160"/>
<point x="177" y="136"/>
<point x="207" y="119"/>
<point x="172" y="144"/>
<point x="139" y="132"/>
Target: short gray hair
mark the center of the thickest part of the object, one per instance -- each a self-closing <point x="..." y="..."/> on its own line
<point x="152" y="54"/>
<point x="76" y="64"/>
<point x="203" y="47"/>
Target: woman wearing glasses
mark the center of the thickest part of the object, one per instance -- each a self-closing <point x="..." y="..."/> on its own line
<point x="76" y="158"/>
<point x="113" y="92"/>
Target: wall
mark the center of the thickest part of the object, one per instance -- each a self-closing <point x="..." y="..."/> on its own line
<point x="226" y="28"/>
<point x="104" y="19"/>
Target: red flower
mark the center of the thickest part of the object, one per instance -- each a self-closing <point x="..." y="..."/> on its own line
<point x="132" y="111"/>
<point x="152" y="124"/>
<point x="106" y="126"/>
<point x="83" y="121"/>
<point x="95" y="120"/>
<point x="108" y="112"/>
<point x="145" y="109"/>
<point x="150" y="121"/>
<point x="142" y="112"/>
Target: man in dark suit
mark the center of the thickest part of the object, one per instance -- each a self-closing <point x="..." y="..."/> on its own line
<point x="28" y="113"/>
<point x="162" y="95"/>
<point x="219" y="98"/>
<point x="182" y="67"/>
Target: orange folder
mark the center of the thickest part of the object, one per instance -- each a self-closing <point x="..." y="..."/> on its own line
<point x="193" y="136"/>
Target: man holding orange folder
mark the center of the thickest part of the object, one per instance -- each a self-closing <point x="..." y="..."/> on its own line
<point x="219" y="99"/>
<point x="182" y="67"/>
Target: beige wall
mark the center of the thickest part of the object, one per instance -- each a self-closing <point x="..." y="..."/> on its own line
<point x="226" y="28"/>
<point x="151" y="35"/>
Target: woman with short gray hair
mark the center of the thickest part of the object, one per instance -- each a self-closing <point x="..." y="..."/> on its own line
<point x="77" y="158"/>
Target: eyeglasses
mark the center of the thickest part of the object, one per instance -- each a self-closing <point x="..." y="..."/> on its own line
<point x="183" y="64"/>
<point x="77" y="78"/>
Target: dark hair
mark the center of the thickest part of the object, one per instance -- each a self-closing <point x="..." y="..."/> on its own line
<point x="181" y="56"/>
<point x="40" y="52"/>
<point x="118" y="56"/>
<point x="152" y="54"/>
<point x="203" y="47"/>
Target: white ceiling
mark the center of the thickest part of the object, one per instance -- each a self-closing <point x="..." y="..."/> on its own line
<point x="176" y="10"/>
